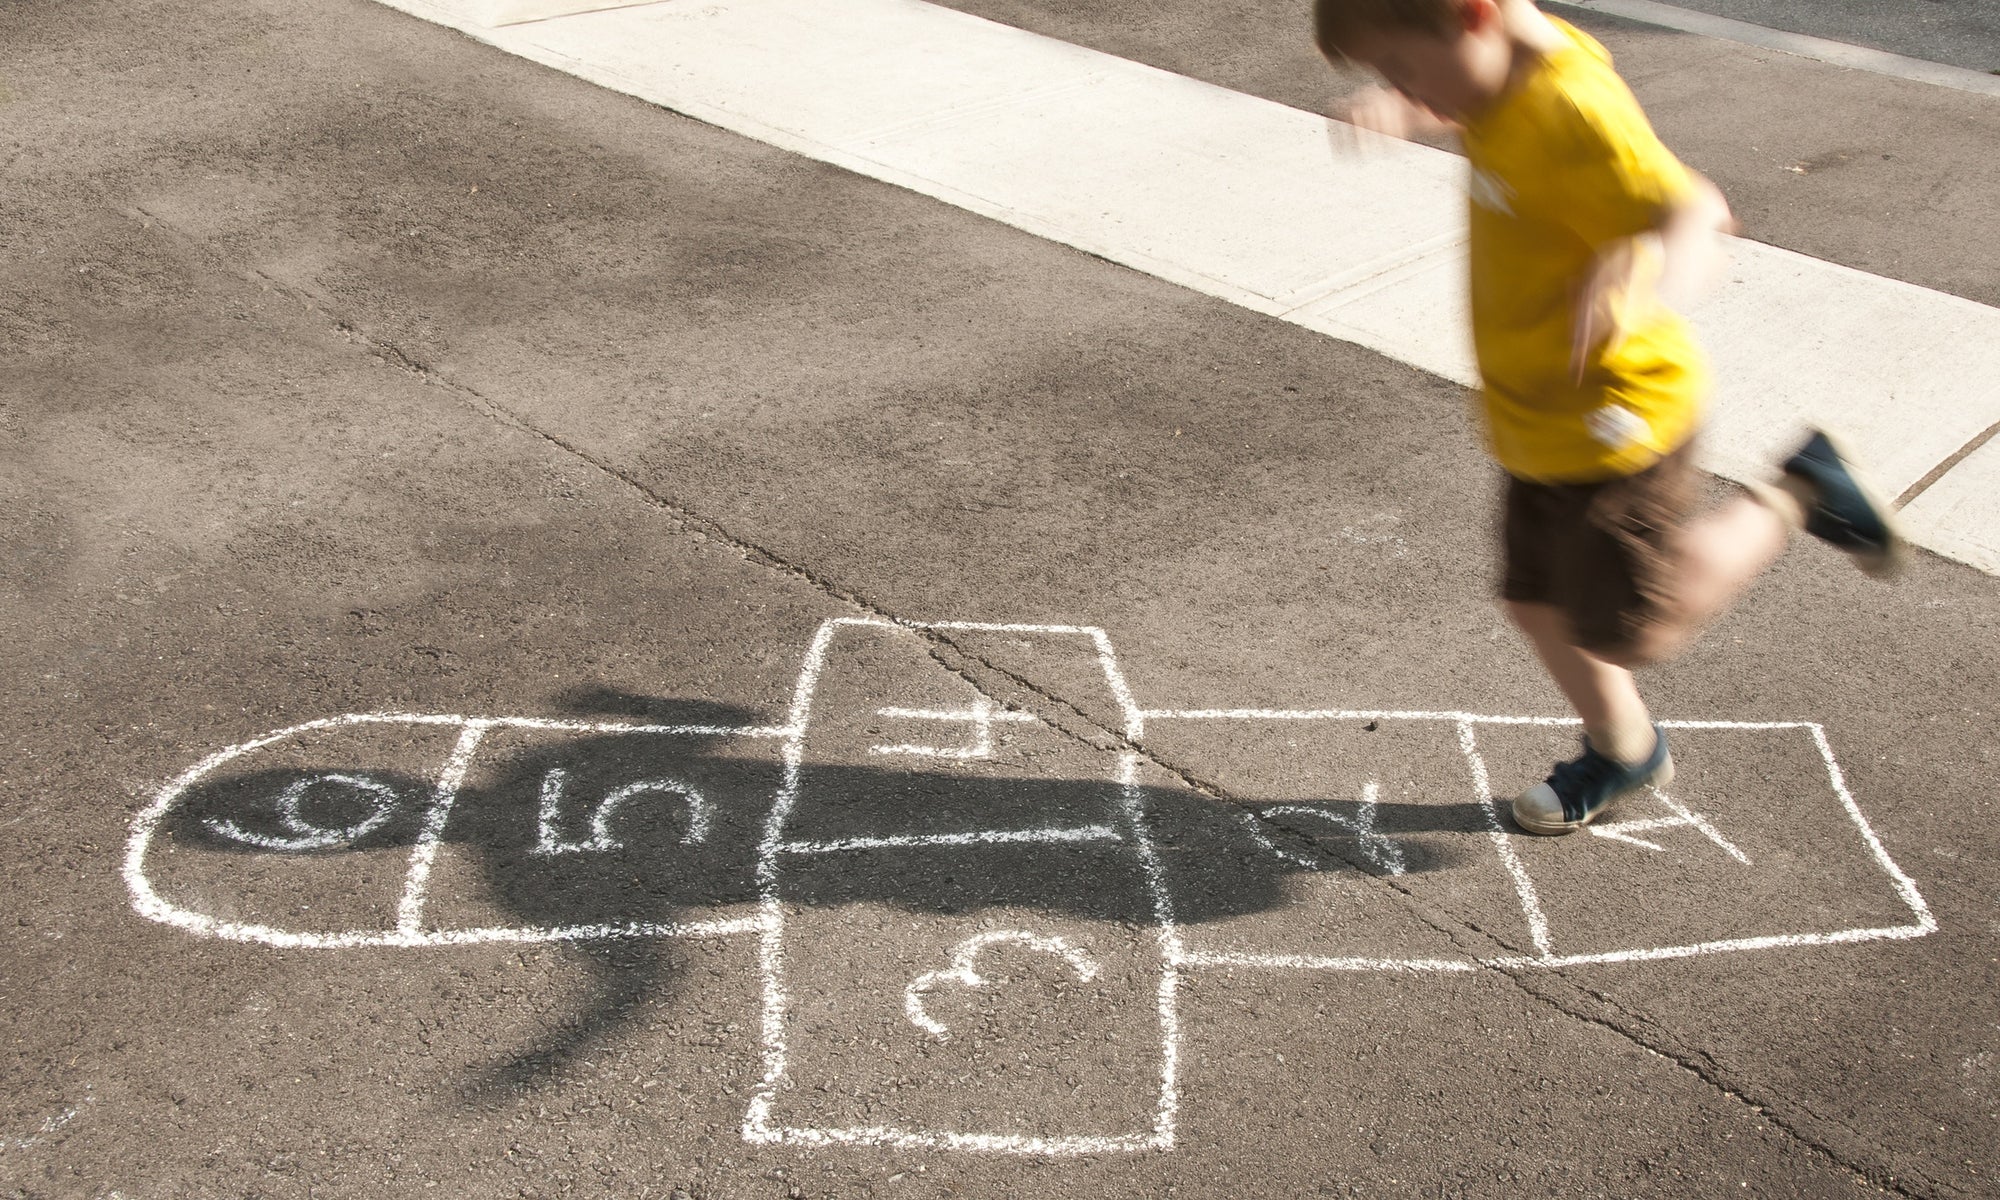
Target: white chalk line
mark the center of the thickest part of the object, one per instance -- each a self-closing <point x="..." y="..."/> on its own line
<point x="361" y="939"/>
<point x="1107" y="659"/>
<point x="1051" y="834"/>
<point x="1905" y="887"/>
<point x="1251" y="822"/>
<point x="1622" y="832"/>
<point x="1166" y="932"/>
<point x="1321" y="962"/>
<point x="1503" y="845"/>
<point x="1135" y="717"/>
<point x="549" y="842"/>
<point x="416" y="886"/>
<point x="307" y="835"/>
<point x="1523" y="962"/>
<point x="148" y="903"/>
<point x="988" y="1143"/>
<point x="996" y="626"/>
<point x="980" y="716"/>
<point x="964" y="753"/>
<point x="1684" y="817"/>
<point x="758" y="1126"/>
<point x="964" y="973"/>
<point x="1375" y="846"/>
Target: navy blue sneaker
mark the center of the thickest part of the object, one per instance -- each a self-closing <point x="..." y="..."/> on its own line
<point x="1844" y="513"/>
<point x="1577" y="790"/>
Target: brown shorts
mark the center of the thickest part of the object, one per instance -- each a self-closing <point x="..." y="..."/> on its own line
<point x="1605" y="554"/>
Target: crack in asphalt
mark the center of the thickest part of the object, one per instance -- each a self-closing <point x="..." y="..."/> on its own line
<point x="1568" y="997"/>
<point x="1531" y="982"/>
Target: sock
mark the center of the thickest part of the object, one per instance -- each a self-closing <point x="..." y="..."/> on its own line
<point x="1791" y="498"/>
<point x="1629" y="743"/>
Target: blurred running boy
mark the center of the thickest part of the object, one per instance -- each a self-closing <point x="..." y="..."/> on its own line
<point x="1587" y="235"/>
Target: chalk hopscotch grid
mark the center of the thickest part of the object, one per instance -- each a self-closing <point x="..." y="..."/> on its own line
<point x="758" y="1124"/>
<point x="768" y="924"/>
<point x="408" y="932"/>
<point x="1530" y="901"/>
<point x="981" y="716"/>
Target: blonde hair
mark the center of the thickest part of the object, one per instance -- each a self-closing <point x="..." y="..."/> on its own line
<point x="1338" y="24"/>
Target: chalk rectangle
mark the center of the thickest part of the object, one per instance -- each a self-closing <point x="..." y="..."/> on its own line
<point x="562" y="829"/>
<point x="1360" y="841"/>
<point x="306" y="839"/>
<point x="999" y="992"/>
<point x="1754" y="839"/>
<point x="966" y="951"/>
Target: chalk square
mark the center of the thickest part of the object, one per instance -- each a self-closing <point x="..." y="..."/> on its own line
<point x="1076" y="663"/>
<point x="897" y="746"/>
<point x="308" y="835"/>
<point x="1009" y="992"/>
<point x="1343" y="842"/>
<point x="571" y="829"/>
<point x="879" y="694"/>
<point x="1033" y="781"/>
<point x="1751" y="840"/>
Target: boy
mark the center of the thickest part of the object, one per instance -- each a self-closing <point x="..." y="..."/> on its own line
<point x="1586" y="234"/>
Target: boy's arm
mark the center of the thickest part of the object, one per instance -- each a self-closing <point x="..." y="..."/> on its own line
<point x="1673" y="263"/>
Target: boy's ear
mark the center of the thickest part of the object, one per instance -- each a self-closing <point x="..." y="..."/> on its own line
<point x="1479" y="15"/>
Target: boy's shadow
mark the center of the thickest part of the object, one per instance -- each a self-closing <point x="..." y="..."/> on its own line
<point x="610" y="836"/>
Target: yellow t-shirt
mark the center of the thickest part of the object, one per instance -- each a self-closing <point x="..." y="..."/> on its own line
<point x="1562" y="165"/>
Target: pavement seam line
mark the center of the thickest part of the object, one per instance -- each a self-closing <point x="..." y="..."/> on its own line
<point x="1653" y="1040"/>
<point x="1944" y="468"/>
<point x="1830" y="51"/>
<point x="700" y="66"/>
<point x="394" y="356"/>
<point x="689" y="521"/>
<point x="1661" y="1045"/>
<point x="1717" y="1077"/>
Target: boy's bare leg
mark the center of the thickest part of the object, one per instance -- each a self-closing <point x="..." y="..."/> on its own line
<point x="1603" y="693"/>
<point x="1719" y="556"/>
<point x="1724" y="551"/>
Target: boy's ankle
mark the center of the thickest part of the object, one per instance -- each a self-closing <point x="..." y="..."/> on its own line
<point x="1624" y="745"/>
<point x="1790" y="499"/>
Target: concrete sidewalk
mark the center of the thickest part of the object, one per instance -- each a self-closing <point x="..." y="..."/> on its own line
<point x="1277" y="210"/>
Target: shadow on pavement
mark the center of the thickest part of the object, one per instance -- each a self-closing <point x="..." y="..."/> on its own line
<point x="556" y="830"/>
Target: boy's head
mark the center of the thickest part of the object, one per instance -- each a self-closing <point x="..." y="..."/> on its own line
<point x="1451" y="56"/>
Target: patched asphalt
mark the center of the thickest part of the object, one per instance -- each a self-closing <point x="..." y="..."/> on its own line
<point x="354" y="368"/>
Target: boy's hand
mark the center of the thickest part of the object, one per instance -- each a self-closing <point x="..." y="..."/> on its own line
<point x="1617" y="290"/>
<point x="1390" y="113"/>
<point x="1669" y="266"/>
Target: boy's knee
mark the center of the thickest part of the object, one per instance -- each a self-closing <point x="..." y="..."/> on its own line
<point x="1644" y="647"/>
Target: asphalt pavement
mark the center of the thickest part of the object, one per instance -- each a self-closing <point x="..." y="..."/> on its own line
<point x="558" y="650"/>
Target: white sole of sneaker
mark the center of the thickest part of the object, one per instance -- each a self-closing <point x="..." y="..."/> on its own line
<point x="1541" y="828"/>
